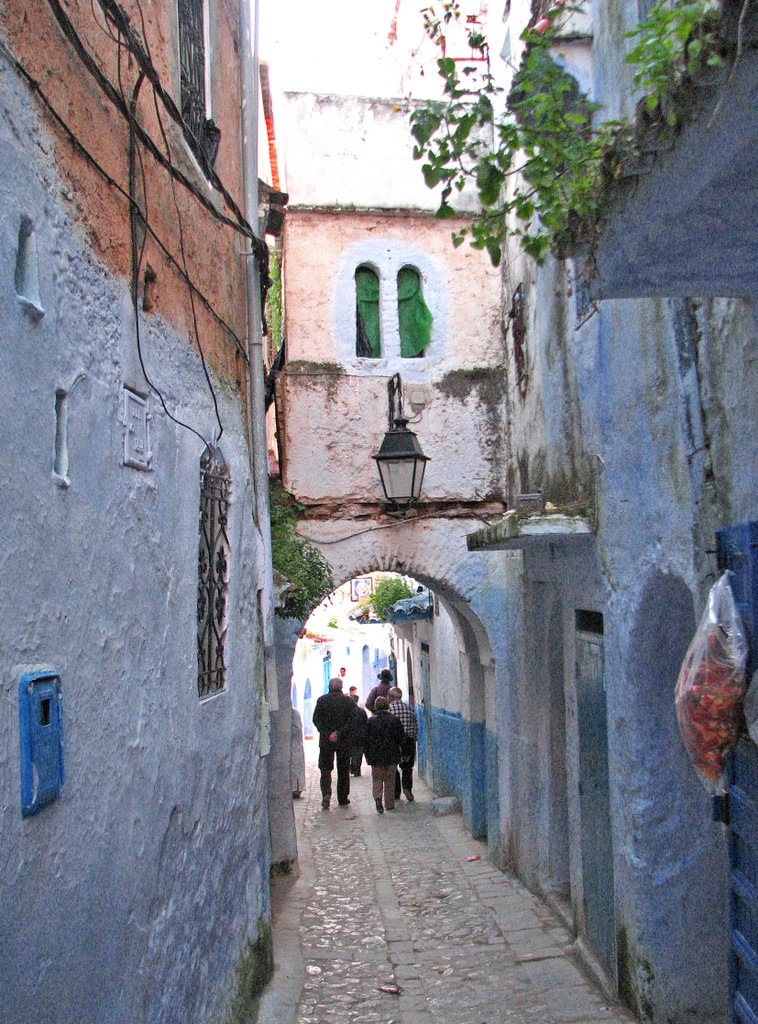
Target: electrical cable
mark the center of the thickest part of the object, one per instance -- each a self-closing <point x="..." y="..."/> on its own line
<point x="132" y="148"/>
<point x="141" y="53"/>
<point x="390" y="526"/>
<point x="260" y="250"/>
<point x="184" y="264"/>
<point x="106" y="27"/>
<point x="82" y="149"/>
<point x="137" y="259"/>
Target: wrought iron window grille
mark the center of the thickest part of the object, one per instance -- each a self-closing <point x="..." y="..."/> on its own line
<point x="213" y="572"/>
<point x="203" y="134"/>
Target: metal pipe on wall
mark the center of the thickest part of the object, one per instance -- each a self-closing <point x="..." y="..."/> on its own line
<point x="249" y="64"/>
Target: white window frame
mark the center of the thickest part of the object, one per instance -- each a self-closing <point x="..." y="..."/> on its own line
<point x="386" y="257"/>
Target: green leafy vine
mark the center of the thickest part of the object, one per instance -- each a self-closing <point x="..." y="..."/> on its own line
<point x="546" y="177"/>
<point x="295" y="559"/>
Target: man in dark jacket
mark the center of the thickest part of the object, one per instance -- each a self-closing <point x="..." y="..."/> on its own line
<point x="380" y="690"/>
<point x="359" y="736"/>
<point x="334" y="717"/>
<point x="384" y="738"/>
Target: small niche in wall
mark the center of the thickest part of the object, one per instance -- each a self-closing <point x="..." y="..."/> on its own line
<point x="60" y="455"/>
<point x="150" y="290"/>
<point x="27" y="270"/>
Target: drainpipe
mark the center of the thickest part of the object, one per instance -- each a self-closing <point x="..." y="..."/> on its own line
<point x="256" y="398"/>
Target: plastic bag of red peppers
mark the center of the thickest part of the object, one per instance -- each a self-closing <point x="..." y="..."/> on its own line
<point x="711" y="685"/>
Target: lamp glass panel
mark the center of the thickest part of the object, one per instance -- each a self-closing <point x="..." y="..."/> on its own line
<point x="397" y="478"/>
<point x="418" y="478"/>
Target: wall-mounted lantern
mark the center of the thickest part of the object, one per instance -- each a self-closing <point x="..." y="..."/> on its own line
<point x="400" y="461"/>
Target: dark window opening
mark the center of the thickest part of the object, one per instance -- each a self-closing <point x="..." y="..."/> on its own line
<point x="368" y="343"/>
<point x="213" y="572"/>
<point x="518" y="324"/>
<point x="44" y="711"/>
<point x="589" y="622"/>
<point x="414" y="317"/>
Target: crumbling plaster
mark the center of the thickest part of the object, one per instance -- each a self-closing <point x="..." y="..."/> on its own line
<point x="36" y="39"/>
<point x="325" y="384"/>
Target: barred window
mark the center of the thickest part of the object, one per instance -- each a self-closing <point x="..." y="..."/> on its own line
<point x="213" y="572"/>
<point x="192" y="64"/>
<point x="203" y="134"/>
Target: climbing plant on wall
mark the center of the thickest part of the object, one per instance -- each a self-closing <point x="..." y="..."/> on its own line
<point x="546" y="177"/>
<point x="298" y="561"/>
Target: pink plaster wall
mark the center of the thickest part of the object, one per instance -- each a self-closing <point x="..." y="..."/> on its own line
<point x="334" y="409"/>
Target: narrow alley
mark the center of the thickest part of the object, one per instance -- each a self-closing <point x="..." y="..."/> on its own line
<point x="400" y="919"/>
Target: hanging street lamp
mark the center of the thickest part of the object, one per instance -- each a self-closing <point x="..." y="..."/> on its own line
<point x="400" y="460"/>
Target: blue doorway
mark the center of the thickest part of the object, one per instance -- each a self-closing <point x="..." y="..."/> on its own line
<point x="307" y="711"/>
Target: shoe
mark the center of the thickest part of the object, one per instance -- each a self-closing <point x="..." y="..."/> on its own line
<point x="343" y="803"/>
<point x="409" y="795"/>
<point x="325" y="803"/>
<point x="390" y="808"/>
<point x="379" y="807"/>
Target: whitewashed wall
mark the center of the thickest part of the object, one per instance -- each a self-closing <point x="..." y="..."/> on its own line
<point x="132" y="896"/>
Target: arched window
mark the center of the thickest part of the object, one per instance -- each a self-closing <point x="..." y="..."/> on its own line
<point x="368" y="340"/>
<point x="414" y="318"/>
<point x="213" y="572"/>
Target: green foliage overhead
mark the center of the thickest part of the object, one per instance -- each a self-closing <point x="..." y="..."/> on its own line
<point x="274" y="306"/>
<point x="545" y="179"/>
<point x="671" y="41"/>
<point x="297" y="560"/>
<point x="387" y="591"/>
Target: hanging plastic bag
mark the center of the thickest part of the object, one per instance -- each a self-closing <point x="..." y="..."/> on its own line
<point x="711" y="686"/>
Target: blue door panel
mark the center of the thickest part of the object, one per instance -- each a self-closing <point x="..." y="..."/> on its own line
<point x="594" y="801"/>
<point x="737" y="548"/>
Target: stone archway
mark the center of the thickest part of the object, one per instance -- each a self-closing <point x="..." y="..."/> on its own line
<point x="459" y="702"/>
<point x="433" y="551"/>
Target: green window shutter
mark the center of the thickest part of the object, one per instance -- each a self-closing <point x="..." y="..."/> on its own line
<point x="413" y="314"/>
<point x="368" y="339"/>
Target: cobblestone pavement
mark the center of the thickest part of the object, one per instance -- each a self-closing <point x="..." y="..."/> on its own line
<point x="392" y="920"/>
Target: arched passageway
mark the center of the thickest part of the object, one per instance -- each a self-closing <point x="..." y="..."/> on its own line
<point x="449" y="693"/>
<point x="450" y="659"/>
<point x="441" y="658"/>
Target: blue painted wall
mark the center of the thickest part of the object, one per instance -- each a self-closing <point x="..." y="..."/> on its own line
<point x="492" y="791"/>
<point x="464" y="759"/>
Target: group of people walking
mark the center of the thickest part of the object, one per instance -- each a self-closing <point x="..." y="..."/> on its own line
<point x="387" y="739"/>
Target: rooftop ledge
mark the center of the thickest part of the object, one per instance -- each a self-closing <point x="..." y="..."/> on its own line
<point x="516" y="530"/>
